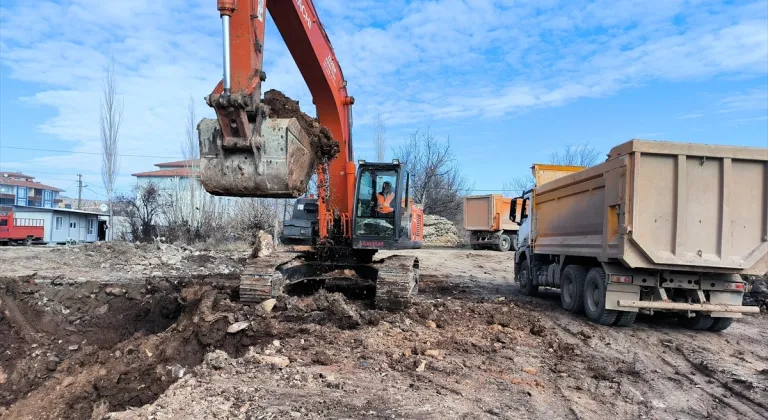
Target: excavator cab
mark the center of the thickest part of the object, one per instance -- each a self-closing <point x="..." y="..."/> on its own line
<point x="384" y="214"/>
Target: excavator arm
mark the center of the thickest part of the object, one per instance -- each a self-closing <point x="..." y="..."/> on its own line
<point x="245" y="153"/>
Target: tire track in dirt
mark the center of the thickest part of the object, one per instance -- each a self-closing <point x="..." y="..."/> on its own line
<point x="662" y="392"/>
<point x="738" y="406"/>
<point x="701" y="367"/>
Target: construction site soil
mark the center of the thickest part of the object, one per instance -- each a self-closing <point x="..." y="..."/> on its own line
<point x="281" y="106"/>
<point x="82" y="338"/>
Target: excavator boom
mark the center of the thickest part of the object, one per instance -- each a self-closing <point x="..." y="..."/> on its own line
<point x="246" y="153"/>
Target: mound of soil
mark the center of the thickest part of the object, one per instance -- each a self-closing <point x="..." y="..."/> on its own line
<point x="281" y="106"/>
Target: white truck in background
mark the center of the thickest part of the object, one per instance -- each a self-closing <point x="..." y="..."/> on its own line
<point x="659" y="226"/>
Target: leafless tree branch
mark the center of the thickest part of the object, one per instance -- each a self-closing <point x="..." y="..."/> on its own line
<point x="381" y="141"/>
<point x="190" y="149"/>
<point x="111" y="115"/>
<point x="575" y="155"/>
<point x="437" y="183"/>
<point x="583" y="154"/>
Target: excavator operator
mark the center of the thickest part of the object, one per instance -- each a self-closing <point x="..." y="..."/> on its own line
<point x="384" y="199"/>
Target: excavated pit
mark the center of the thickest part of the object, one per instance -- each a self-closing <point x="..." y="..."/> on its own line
<point x="70" y="348"/>
<point x="79" y="349"/>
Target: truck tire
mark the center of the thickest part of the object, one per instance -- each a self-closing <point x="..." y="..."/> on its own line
<point x="476" y="247"/>
<point x="699" y="322"/>
<point x="505" y="243"/>
<point x="720" y="324"/>
<point x="572" y="289"/>
<point x="594" y="298"/>
<point x="625" y="319"/>
<point x="525" y="280"/>
<point x="513" y="237"/>
<point x="28" y="242"/>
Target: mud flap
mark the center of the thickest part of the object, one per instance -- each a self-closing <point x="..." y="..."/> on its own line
<point x="615" y="292"/>
<point x="278" y="165"/>
<point x="726" y="298"/>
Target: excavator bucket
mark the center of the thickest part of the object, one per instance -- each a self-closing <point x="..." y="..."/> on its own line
<point x="280" y="167"/>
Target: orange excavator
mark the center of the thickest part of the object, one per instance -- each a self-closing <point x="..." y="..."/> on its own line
<point x="248" y="151"/>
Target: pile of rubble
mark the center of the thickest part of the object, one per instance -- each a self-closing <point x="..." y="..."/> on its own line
<point x="758" y="292"/>
<point x="439" y="231"/>
<point x="139" y="260"/>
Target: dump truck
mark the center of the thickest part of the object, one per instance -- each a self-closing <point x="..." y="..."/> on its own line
<point x="19" y="230"/>
<point x="658" y="227"/>
<point x="486" y="219"/>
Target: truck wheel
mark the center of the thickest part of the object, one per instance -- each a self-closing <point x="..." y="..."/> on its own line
<point x="625" y="319"/>
<point x="720" y="324"/>
<point x="505" y="243"/>
<point x="476" y="247"/>
<point x="513" y="238"/>
<point x="572" y="289"/>
<point x="594" y="298"/>
<point x="698" y="322"/>
<point x="525" y="280"/>
<point x="28" y="242"/>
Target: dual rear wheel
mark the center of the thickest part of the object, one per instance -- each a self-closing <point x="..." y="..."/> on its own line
<point x="583" y="292"/>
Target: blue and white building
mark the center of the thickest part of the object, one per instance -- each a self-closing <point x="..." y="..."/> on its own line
<point x="17" y="189"/>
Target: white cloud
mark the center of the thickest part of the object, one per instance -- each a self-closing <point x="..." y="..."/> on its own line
<point x="414" y="62"/>
<point x="753" y="100"/>
<point x="690" y="116"/>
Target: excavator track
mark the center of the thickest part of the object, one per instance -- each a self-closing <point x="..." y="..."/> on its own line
<point x="397" y="282"/>
<point x="262" y="278"/>
<point x="396" y="278"/>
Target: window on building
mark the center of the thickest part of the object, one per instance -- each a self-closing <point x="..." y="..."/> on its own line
<point x="73" y="225"/>
<point x="59" y="222"/>
<point x="3" y="222"/>
<point x="91" y="226"/>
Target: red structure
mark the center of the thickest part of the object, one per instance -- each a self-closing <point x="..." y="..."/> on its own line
<point x="23" y="230"/>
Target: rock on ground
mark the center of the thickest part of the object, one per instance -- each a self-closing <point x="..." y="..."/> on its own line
<point x="264" y="245"/>
<point x="440" y="231"/>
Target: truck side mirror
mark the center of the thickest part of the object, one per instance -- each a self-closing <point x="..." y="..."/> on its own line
<point x="524" y="210"/>
<point x="513" y="209"/>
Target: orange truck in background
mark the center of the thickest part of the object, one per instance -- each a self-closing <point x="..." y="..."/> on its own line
<point x="24" y="231"/>
<point x="486" y="218"/>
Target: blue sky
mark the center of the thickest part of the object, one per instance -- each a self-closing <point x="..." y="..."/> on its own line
<point x="507" y="81"/>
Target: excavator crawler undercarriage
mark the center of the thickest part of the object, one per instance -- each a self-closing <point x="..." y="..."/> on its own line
<point x="392" y="280"/>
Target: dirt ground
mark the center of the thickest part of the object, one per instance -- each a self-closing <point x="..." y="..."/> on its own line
<point x="97" y="333"/>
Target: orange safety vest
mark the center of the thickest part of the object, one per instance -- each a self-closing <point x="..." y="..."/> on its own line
<point x="385" y="203"/>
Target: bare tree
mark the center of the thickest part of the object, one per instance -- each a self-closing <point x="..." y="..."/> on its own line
<point x="381" y="140"/>
<point x="191" y="152"/>
<point x="579" y="155"/>
<point x="142" y="211"/>
<point x="576" y="155"/>
<point x="436" y="180"/>
<point x="518" y="185"/>
<point x="111" y="115"/>
<point x="190" y="149"/>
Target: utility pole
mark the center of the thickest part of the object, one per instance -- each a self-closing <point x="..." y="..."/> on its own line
<point x="79" y="191"/>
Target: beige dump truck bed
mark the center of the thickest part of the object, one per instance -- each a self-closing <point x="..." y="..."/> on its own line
<point x="486" y="218"/>
<point x="661" y="205"/>
<point x="488" y="212"/>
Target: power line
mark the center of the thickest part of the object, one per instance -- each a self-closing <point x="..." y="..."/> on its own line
<point x="87" y="153"/>
<point x="99" y="194"/>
